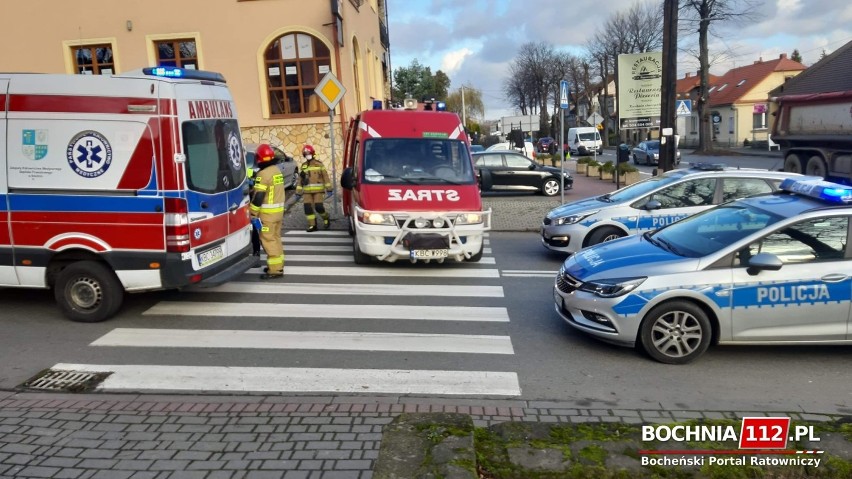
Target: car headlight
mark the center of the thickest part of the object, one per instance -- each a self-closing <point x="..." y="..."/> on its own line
<point x="656" y="156"/>
<point x="572" y="219"/>
<point x="371" y="218"/>
<point x="611" y="288"/>
<point x="469" y="219"/>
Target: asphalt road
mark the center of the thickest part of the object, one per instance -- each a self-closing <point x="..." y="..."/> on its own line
<point x="499" y="339"/>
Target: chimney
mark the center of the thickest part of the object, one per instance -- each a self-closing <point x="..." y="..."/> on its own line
<point x="687" y="75"/>
<point x="783" y="56"/>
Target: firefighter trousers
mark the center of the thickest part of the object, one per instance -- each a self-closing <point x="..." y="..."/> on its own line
<point x="270" y="238"/>
<point x="313" y="207"/>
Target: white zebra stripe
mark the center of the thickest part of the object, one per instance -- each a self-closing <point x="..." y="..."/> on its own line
<point x="415" y="290"/>
<point x="303" y="380"/>
<point x="330" y="340"/>
<point x="337" y="311"/>
<point x="320" y="258"/>
<point x="388" y="271"/>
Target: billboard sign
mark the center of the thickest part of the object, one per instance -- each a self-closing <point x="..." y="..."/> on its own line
<point x="640" y="78"/>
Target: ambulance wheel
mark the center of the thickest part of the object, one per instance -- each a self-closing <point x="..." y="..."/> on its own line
<point x="676" y="332"/>
<point x="550" y="187"/>
<point x="602" y="235"/>
<point x="360" y="258"/>
<point x="88" y="292"/>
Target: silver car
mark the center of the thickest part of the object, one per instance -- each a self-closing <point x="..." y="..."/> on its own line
<point x="771" y="269"/>
<point x="651" y="204"/>
<point x="285" y="162"/>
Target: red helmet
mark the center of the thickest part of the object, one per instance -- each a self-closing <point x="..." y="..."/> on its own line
<point x="264" y="155"/>
<point x="308" y="150"/>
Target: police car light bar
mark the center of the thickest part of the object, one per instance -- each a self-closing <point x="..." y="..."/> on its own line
<point x="708" y="166"/>
<point x="174" y="72"/>
<point x="816" y="187"/>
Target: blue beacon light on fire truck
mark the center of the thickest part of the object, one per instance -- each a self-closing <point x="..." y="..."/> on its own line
<point x="816" y="187"/>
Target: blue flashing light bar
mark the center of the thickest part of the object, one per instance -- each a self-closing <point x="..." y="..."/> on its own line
<point x="174" y="72"/>
<point x="440" y="106"/>
<point x="816" y="187"/>
<point x="377" y="104"/>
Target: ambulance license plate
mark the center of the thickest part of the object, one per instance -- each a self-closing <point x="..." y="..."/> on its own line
<point x="206" y="258"/>
<point x="429" y="253"/>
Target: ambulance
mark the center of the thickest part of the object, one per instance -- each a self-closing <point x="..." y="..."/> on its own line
<point x="410" y="188"/>
<point x="114" y="184"/>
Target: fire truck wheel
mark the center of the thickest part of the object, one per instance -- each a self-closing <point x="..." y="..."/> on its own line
<point x="474" y="258"/>
<point x="88" y="292"/>
<point x="360" y="258"/>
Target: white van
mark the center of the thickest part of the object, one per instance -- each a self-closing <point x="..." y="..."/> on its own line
<point x="585" y="136"/>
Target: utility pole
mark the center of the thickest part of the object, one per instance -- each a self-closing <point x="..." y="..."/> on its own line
<point x="464" y="112"/>
<point x="669" y="92"/>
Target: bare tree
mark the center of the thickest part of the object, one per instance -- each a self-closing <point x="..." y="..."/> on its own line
<point x="703" y="16"/>
<point x="530" y="84"/>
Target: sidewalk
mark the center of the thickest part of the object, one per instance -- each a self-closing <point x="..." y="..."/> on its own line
<point x="255" y="437"/>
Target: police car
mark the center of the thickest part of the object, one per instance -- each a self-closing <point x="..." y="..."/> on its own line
<point x="650" y="204"/>
<point x="770" y="269"/>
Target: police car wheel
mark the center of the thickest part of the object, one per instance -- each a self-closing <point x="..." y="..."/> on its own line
<point x="676" y="332"/>
<point x="602" y="235"/>
<point x="550" y="187"/>
<point x="88" y="292"/>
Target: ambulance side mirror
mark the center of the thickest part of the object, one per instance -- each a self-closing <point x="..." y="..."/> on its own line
<point x="347" y="179"/>
<point x="764" y="261"/>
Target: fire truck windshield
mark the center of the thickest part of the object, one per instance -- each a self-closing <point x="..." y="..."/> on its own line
<point x="417" y="160"/>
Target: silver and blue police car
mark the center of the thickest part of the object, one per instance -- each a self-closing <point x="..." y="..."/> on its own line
<point x="650" y="204"/>
<point x="774" y="268"/>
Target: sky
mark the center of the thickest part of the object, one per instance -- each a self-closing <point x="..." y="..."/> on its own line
<point x="474" y="41"/>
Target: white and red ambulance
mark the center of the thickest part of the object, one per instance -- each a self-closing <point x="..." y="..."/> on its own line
<point x="132" y="182"/>
<point x="410" y="188"/>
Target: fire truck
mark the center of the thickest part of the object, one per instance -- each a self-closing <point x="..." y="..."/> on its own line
<point x="410" y="188"/>
<point x="114" y="184"/>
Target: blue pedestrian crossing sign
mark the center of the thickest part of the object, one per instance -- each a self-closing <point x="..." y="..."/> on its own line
<point x="683" y="107"/>
<point x="563" y="94"/>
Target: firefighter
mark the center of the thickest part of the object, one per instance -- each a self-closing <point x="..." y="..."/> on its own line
<point x="267" y="205"/>
<point x="314" y="185"/>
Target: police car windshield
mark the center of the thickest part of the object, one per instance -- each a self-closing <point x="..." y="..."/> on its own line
<point x="642" y="188"/>
<point x="712" y="230"/>
<point x="417" y="160"/>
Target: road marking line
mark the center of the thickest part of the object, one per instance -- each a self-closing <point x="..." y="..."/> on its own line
<point x="267" y="379"/>
<point x="316" y="233"/>
<point x="330" y="340"/>
<point x="336" y="311"/>
<point x="319" y="258"/>
<point x="291" y="245"/>
<point x="357" y="289"/>
<point x="392" y="271"/>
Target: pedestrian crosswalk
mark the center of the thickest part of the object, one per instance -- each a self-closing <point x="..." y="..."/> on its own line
<point x="327" y="326"/>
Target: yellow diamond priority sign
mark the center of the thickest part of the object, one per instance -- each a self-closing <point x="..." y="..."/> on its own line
<point x="330" y="90"/>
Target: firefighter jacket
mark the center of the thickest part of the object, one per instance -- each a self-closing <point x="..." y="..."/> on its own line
<point x="267" y="201"/>
<point x="313" y="178"/>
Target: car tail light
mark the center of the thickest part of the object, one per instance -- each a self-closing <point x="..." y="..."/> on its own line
<point x="177" y="225"/>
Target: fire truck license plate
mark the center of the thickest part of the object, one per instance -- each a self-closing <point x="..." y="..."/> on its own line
<point x="428" y="253"/>
<point x="206" y="258"/>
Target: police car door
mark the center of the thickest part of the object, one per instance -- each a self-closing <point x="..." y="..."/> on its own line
<point x="808" y="298"/>
<point x="676" y="202"/>
<point x="7" y="268"/>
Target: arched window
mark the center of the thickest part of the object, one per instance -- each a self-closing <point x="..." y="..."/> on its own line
<point x="295" y="63"/>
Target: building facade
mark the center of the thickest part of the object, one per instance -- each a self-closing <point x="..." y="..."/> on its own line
<point x="272" y="53"/>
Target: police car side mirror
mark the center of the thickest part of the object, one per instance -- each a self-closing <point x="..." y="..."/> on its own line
<point x="347" y="179"/>
<point x="764" y="261"/>
<point x="652" y="205"/>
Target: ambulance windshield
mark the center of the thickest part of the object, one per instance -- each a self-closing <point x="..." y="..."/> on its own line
<point x="417" y="160"/>
<point x="214" y="155"/>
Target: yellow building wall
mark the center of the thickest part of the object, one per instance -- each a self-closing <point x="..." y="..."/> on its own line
<point x="231" y="36"/>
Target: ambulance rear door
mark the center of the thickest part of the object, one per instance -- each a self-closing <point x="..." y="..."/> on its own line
<point x="7" y="264"/>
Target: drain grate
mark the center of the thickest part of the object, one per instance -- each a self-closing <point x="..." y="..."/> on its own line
<point x="65" y="381"/>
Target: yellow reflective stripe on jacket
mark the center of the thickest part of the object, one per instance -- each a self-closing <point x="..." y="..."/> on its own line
<point x="278" y="180"/>
<point x="260" y="186"/>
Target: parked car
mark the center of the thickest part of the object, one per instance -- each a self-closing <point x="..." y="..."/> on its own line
<point x="771" y="269"/>
<point x="476" y="148"/>
<point x="545" y="144"/>
<point x="648" y="153"/>
<point x="285" y="162"/>
<point x="529" y="149"/>
<point x="512" y="171"/>
<point x="651" y="204"/>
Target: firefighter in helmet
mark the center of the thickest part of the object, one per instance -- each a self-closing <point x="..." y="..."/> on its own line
<point x="314" y="186"/>
<point x="267" y="205"/>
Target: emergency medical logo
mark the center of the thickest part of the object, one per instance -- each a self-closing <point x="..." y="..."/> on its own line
<point x="197" y="233"/>
<point x="89" y="154"/>
<point x="235" y="151"/>
<point x="34" y="144"/>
